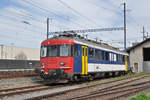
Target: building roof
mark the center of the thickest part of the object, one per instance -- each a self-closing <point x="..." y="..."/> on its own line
<point x="139" y="44"/>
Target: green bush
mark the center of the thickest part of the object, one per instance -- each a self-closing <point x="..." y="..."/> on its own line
<point x="141" y="97"/>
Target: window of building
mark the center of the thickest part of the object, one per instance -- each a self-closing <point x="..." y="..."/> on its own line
<point x="146" y="54"/>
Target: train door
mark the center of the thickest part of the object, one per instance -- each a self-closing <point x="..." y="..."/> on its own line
<point x="84" y="60"/>
<point x="126" y="64"/>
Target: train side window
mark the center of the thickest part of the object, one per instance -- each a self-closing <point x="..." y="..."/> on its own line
<point x="123" y="58"/>
<point x="102" y="55"/>
<point x="75" y="50"/>
<point x="97" y="57"/>
<point x="115" y="57"/>
<point x="110" y="57"/>
<point x="91" y="53"/>
<point x="107" y="56"/>
<point x="118" y="60"/>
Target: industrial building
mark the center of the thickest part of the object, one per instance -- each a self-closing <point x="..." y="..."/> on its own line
<point x="140" y="56"/>
<point x="12" y="57"/>
<point x="19" y="53"/>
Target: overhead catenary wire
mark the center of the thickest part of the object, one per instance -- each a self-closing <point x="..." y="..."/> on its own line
<point x="78" y="13"/>
<point x="50" y="12"/>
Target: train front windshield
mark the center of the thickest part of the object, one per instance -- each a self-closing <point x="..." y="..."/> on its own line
<point x="56" y="51"/>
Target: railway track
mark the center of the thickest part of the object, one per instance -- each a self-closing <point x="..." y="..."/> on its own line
<point x="27" y="89"/>
<point x="115" y="92"/>
<point x="81" y="97"/>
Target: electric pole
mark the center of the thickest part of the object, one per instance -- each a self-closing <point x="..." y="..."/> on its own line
<point x="47" y="27"/>
<point x="143" y="33"/>
<point x="124" y="25"/>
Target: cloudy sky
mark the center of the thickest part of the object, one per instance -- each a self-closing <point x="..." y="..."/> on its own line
<point x="23" y="22"/>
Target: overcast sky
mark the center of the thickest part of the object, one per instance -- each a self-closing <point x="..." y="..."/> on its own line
<point x="23" y="22"/>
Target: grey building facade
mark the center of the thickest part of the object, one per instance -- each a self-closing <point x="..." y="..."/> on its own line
<point x="19" y="57"/>
<point x="140" y="56"/>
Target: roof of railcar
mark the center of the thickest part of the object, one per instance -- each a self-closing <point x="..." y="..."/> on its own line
<point x="80" y="40"/>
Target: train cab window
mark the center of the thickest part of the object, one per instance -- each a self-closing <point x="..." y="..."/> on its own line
<point x="65" y="50"/>
<point x="52" y="51"/>
<point x="43" y="51"/>
<point x="59" y="50"/>
<point x="102" y="55"/>
<point x="107" y="56"/>
<point x="91" y="53"/>
<point x="97" y="57"/>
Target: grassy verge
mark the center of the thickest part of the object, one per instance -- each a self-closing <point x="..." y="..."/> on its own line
<point x="141" y="97"/>
<point x="128" y="76"/>
<point x="118" y="78"/>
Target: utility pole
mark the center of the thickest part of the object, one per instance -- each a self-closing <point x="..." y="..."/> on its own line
<point x="86" y="36"/>
<point x="47" y="27"/>
<point x="96" y="39"/>
<point x="124" y="25"/>
<point x="143" y="33"/>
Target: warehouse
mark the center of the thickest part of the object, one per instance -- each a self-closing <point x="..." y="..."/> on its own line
<point x="19" y="53"/>
<point x="12" y="57"/>
<point x="140" y="56"/>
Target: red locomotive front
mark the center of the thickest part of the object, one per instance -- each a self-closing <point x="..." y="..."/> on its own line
<point x="56" y="60"/>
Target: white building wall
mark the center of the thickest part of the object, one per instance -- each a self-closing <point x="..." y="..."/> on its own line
<point x="136" y="56"/>
<point x="19" y="53"/>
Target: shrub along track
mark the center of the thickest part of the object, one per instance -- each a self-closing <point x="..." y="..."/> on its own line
<point x="107" y="90"/>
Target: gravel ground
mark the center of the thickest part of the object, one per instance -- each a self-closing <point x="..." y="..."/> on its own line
<point x="26" y="81"/>
<point x="19" y="82"/>
<point x="91" y="89"/>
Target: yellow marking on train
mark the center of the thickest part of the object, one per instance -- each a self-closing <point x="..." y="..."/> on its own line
<point x="126" y="64"/>
<point x="84" y="60"/>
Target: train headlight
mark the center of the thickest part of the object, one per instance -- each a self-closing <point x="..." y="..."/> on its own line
<point x="42" y="64"/>
<point x="62" y="63"/>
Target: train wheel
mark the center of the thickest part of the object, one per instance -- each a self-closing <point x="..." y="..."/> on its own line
<point x="90" y="77"/>
<point x="76" y="78"/>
